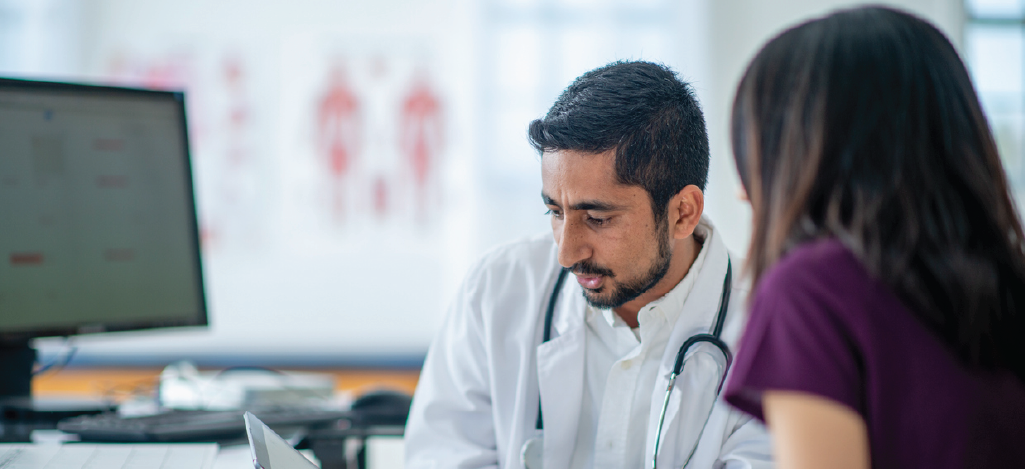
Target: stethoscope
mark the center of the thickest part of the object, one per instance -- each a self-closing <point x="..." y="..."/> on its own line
<point x="532" y="449"/>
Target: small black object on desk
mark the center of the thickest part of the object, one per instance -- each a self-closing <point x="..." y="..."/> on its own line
<point x="380" y="412"/>
<point x="345" y="448"/>
<point x="381" y="407"/>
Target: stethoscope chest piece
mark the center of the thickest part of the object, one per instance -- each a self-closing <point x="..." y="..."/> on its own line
<point x="532" y="453"/>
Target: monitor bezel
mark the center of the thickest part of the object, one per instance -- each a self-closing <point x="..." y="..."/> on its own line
<point x="18" y="337"/>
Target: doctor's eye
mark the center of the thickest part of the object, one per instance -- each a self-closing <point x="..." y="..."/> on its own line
<point x="554" y="213"/>
<point x="597" y="221"/>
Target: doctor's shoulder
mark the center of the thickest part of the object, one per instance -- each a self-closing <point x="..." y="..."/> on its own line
<point x="519" y="260"/>
<point x="512" y="272"/>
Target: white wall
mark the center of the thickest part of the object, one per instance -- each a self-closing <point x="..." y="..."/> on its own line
<point x="40" y="38"/>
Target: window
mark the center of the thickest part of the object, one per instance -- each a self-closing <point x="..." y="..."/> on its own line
<point x="531" y="50"/>
<point x="994" y="38"/>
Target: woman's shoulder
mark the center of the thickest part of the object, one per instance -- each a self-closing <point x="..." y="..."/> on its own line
<point x="820" y="265"/>
<point x="815" y="255"/>
<point x="803" y="332"/>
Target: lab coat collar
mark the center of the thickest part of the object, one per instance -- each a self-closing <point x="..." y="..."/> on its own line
<point x="560" y="365"/>
<point x="671" y="304"/>
<point x="571" y="309"/>
<point x="695" y="312"/>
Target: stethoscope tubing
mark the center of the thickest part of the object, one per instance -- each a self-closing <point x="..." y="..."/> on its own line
<point x="713" y="338"/>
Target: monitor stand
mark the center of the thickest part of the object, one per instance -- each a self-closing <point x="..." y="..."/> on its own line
<point x="16" y="361"/>
<point x="19" y="411"/>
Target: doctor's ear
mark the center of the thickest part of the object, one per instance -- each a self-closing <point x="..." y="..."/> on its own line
<point x="684" y="211"/>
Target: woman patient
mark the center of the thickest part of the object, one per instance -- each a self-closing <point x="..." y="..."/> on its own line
<point x="887" y="325"/>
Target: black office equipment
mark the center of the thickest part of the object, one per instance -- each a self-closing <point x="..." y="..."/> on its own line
<point x="98" y="215"/>
<point x="192" y="425"/>
<point x="381" y="407"/>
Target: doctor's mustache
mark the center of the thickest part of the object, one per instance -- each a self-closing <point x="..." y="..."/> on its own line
<point x="590" y="268"/>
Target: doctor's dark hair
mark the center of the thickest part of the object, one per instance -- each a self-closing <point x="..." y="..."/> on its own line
<point x="863" y="126"/>
<point x="644" y="112"/>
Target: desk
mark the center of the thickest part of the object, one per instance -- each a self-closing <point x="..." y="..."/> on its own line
<point x="120" y="383"/>
<point x="234" y="457"/>
<point x="384" y="455"/>
<point x="337" y="448"/>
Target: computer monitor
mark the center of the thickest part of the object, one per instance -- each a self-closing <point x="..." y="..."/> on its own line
<point x="98" y="227"/>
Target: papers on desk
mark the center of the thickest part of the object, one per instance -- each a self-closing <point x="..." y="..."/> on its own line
<point x="108" y="456"/>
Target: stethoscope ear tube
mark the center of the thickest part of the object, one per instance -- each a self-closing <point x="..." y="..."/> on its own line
<point x="713" y="338"/>
<point x="724" y="301"/>
<point x="677" y="369"/>
<point x="695" y="339"/>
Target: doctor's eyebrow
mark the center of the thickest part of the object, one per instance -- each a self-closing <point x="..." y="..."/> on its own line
<point x="592" y="205"/>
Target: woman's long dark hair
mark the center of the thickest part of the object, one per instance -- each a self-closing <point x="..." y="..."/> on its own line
<point x="863" y="126"/>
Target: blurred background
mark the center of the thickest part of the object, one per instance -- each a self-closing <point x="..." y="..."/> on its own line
<point x="353" y="158"/>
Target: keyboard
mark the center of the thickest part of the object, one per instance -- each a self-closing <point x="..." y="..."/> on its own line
<point x="191" y="425"/>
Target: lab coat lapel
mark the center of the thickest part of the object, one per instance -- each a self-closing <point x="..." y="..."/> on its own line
<point x="694" y="394"/>
<point x="560" y="366"/>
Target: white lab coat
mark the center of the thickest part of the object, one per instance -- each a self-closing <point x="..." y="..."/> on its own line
<point x="476" y="402"/>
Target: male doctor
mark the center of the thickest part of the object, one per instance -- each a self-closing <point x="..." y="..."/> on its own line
<point x="624" y="160"/>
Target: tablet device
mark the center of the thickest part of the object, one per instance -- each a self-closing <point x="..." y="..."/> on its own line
<point x="269" y="450"/>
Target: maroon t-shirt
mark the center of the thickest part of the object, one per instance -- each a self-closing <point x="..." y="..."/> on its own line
<point x="821" y="324"/>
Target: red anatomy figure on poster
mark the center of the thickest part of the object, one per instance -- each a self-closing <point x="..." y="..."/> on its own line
<point x="420" y="138"/>
<point x="339" y="132"/>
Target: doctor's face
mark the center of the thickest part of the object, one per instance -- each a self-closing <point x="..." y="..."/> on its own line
<point x="606" y="231"/>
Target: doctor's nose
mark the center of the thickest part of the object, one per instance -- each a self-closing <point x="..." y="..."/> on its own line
<point x="573" y="245"/>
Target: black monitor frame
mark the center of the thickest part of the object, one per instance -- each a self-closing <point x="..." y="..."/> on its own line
<point x="15" y="346"/>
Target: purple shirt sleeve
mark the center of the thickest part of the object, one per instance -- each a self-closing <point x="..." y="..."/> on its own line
<point x="795" y="339"/>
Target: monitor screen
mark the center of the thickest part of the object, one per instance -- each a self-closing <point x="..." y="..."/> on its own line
<point x="98" y="226"/>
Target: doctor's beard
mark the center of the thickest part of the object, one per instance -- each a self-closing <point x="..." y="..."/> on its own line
<point x="631" y="289"/>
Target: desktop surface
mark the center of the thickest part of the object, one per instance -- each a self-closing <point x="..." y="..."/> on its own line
<point x="381" y="445"/>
